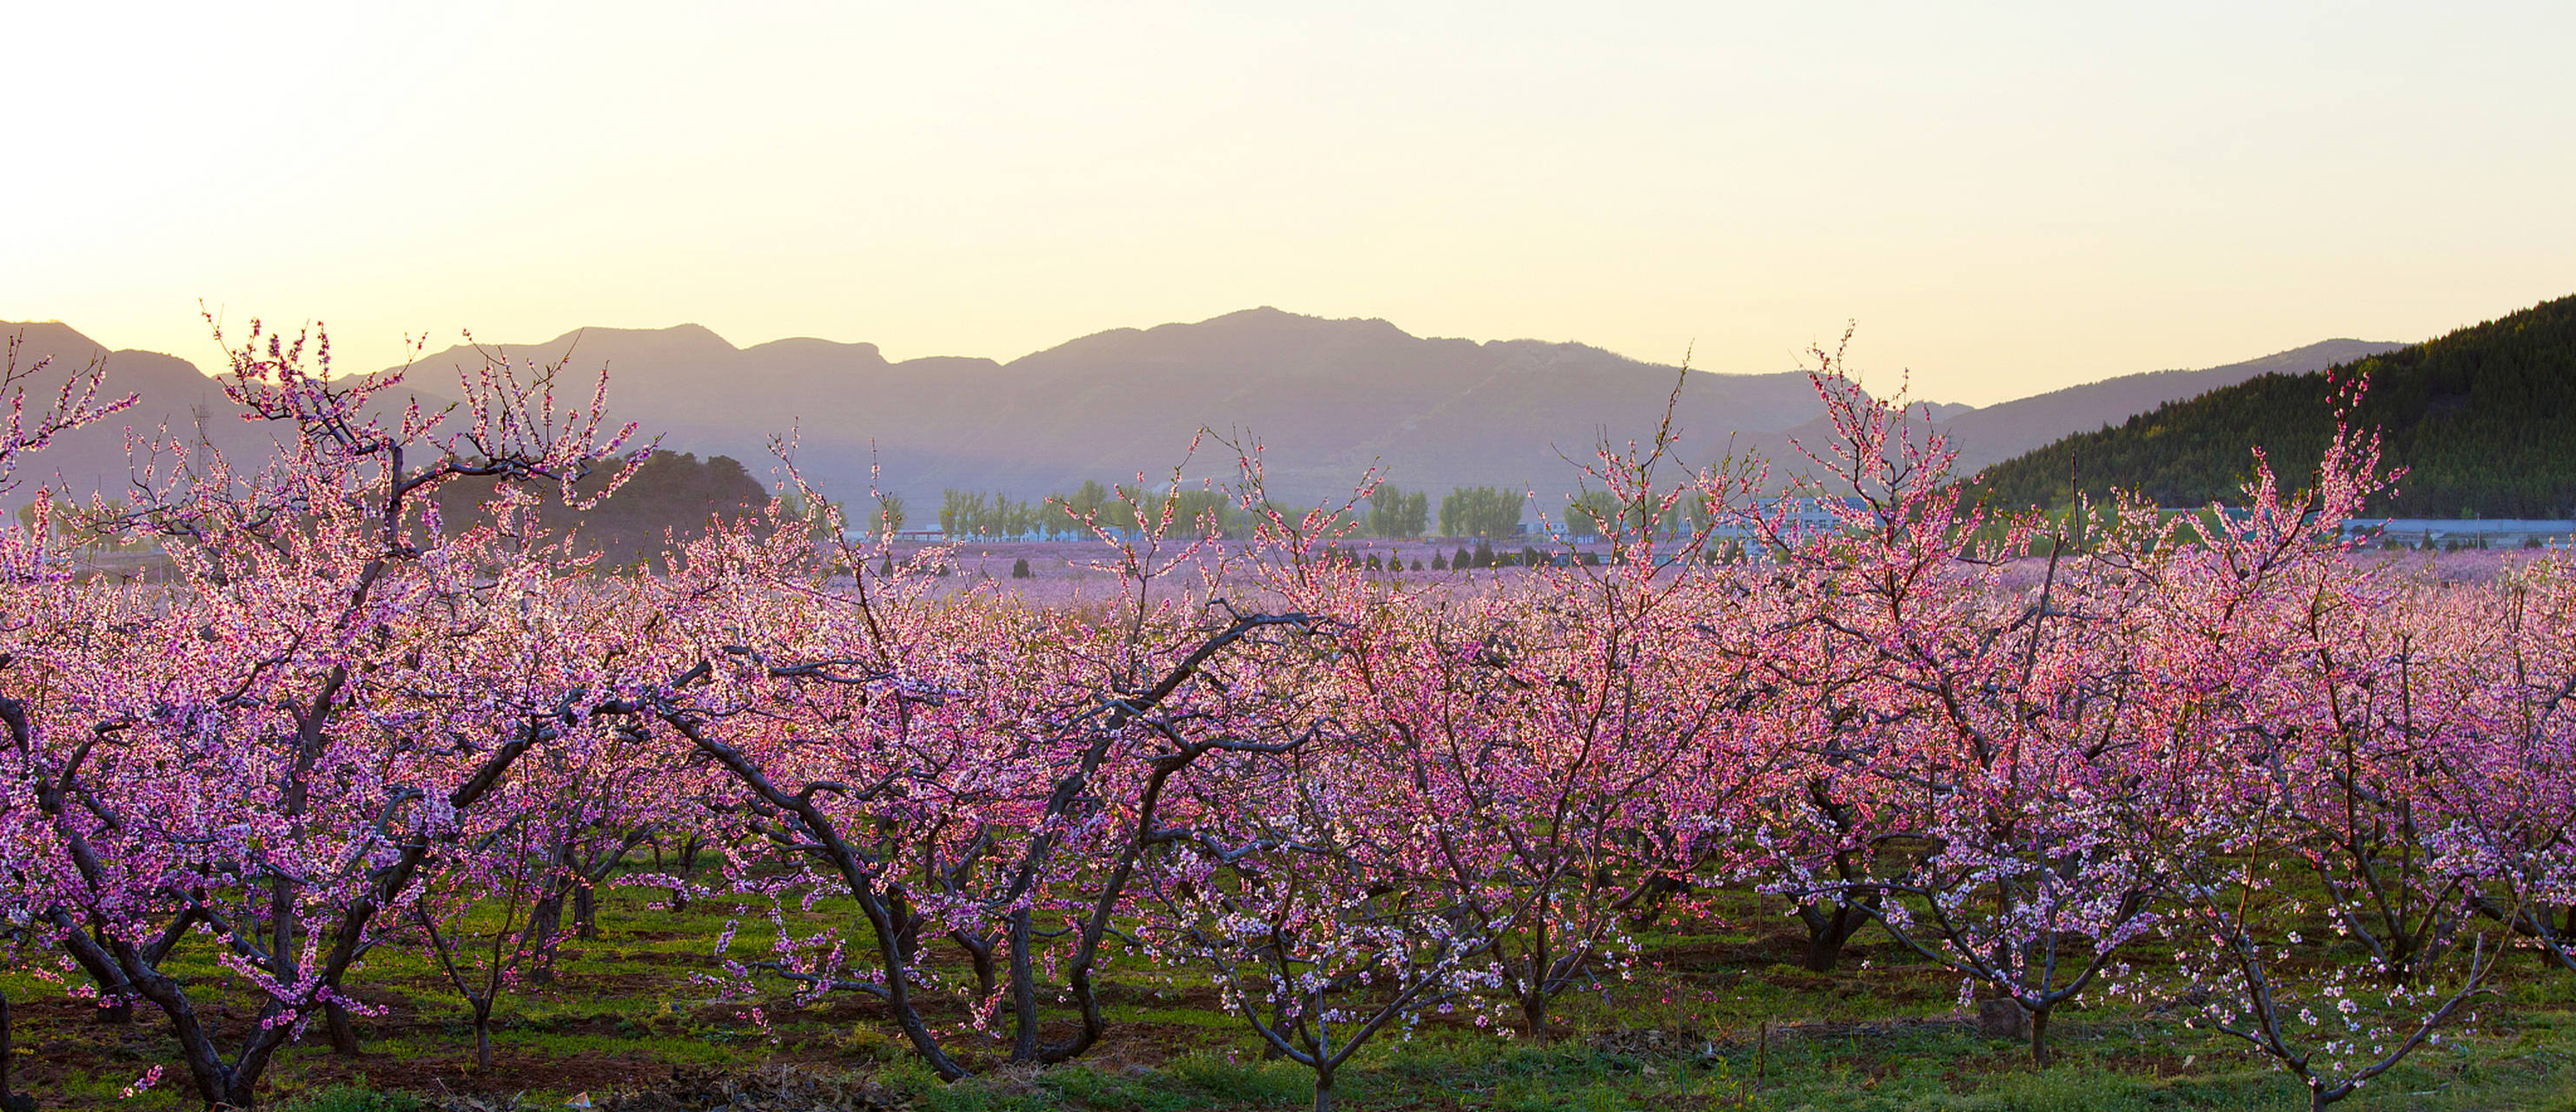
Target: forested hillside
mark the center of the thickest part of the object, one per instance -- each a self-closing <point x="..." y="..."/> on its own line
<point x="2480" y="418"/>
<point x="672" y="495"/>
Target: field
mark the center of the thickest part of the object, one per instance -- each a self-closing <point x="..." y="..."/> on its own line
<point x="1914" y="805"/>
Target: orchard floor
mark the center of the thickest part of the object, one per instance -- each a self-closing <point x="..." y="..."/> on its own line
<point x="1723" y="1019"/>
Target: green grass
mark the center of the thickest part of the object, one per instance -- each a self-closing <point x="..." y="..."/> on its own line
<point x="629" y="1006"/>
<point x="354" y="1097"/>
<point x="1905" y="1075"/>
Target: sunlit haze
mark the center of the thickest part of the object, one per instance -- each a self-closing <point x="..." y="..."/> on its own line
<point x="2007" y="198"/>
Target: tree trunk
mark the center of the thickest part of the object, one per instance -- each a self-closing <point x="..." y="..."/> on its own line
<point x="2039" y="1037"/>
<point x="908" y="940"/>
<point x="979" y="952"/>
<point x="110" y="980"/>
<point x="545" y="922"/>
<point x="285" y="938"/>
<point x="1270" y="1051"/>
<point x="1534" y="994"/>
<point x="908" y="923"/>
<point x="585" y="895"/>
<point x="1024" y="991"/>
<point x="1323" y="1089"/>
<point x="344" y="1035"/>
<point x="1827" y="933"/>
<point x="679" y="892"/>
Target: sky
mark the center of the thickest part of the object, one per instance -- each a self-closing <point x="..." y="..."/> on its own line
<point x="2006" y="198"/>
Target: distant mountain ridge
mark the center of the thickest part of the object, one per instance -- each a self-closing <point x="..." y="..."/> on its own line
<point x="1326" y="399"/>
<point x="2483" y="419"/>
<point x="170" y="391"/>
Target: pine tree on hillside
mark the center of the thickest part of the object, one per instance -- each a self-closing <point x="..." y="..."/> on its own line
<point x="2483" y="420"/>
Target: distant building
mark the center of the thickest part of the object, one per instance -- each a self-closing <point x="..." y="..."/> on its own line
<point x="1803" y="515"/>
<point x="2443" y="532"/>
<point x="920" y="536"/>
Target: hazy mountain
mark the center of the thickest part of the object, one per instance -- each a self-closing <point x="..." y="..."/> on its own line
<point x="170" y="389"/>
<point x="171" y="394"/>
<point x="1326" y="398"/>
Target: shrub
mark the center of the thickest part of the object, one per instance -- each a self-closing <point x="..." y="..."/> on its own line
<point x="355" y="1097"/>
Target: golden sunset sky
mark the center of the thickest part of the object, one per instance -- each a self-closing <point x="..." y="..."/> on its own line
<point x="2007" y="197"/>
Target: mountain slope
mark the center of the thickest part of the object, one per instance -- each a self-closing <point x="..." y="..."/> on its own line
<point x="1326" y="398"/>
<point x="171" y="394"/>
<point x="2481" y="418"/>
<point x="1999" y="432"/>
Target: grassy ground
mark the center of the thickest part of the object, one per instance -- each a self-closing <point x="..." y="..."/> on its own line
<point x="1718" y="1020"/>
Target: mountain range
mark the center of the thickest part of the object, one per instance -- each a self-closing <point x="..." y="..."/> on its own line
<point x="171" y="392"/>
<point x="1325" y="399"/>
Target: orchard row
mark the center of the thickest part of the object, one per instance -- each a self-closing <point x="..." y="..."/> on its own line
<point x="2274" y="786"/>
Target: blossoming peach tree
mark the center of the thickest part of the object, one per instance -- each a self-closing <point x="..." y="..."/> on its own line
<point x="264" y="754"/>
